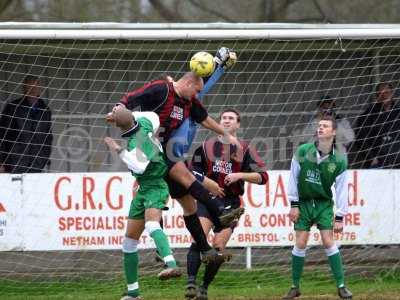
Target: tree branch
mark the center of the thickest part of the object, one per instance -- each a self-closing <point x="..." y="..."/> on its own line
<point x="168" y="14"/>
<point x="279" y="12"/>
<point x="326" y="18"/>
<point x="4" y="4"/>
<point x="210" y="11"/>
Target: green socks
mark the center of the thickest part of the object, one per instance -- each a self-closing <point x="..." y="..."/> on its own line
<point x="131" y="262"/>
<point x="298" y="256"/>
<point x="163" y="247"/>
<point x="335" y="262"/>
<point x="131" y="259"/>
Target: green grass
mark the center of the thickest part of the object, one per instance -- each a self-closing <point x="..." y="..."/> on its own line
<point x="258" y="284"/>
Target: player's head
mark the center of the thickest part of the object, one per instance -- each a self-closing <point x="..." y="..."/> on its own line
<point x="123" y="117"/>
<point x="326" y="128"/>
<point x="230" y="120"/>
<point x="31" y="86"/>
<point x="189" y="85"/>
<point x="384" y="92"/>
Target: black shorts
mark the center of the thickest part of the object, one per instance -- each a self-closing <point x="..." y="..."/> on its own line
<point x="233" y="202"/>
<point x="176" y="190"/>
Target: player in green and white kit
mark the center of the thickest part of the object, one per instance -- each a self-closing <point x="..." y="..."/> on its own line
<point x="315" y="168"/>
<point x="145" y="159"/>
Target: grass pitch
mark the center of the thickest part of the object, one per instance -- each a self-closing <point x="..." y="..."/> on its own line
<point x="262" y="284"/>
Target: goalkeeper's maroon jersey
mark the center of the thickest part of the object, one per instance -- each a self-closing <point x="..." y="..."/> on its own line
<point x="214" y="160"/>
<point x="159" y="96"/>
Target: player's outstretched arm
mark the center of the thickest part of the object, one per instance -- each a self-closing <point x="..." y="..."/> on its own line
<point x="253" y="169"/>
<point x="212" y="125"/>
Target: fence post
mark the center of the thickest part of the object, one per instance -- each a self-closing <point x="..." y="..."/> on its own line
<point x="248" y="258"/>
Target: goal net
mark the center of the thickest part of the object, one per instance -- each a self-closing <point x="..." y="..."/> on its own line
<point x="61" y="229"/>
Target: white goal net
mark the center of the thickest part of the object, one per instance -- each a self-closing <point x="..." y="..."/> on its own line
<point x="61" y="229"/>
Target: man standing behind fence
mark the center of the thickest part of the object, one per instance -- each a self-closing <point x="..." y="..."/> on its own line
<point x="315" y="168"/>
<point x="25" y="131"/>
<point x="378" y="131"/>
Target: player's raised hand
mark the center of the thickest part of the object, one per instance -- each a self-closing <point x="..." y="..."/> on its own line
<point x="225" y="57"/>
<point x="294" y="214"/>
<point x="112" y="144"/>
<point x="338" y="227"/>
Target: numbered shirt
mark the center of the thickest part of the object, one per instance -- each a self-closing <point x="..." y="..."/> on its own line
<point x="144" y="156"/>
<point x="312" y="177"/>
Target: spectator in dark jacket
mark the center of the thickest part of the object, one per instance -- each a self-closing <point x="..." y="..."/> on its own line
<point x="378" y="139"/>
<point x="25" y="131"/>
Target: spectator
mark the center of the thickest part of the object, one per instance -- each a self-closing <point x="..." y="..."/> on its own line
<point x="25" y="131"/>
<point x="344" y="132"/>
<point x="377" y="143"/>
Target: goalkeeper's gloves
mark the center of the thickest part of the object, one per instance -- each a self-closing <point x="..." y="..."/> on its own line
<point x="225" y="57"/>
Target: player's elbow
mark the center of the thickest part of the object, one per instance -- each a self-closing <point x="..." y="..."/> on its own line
<point x="137" y="169"/>
<point x="134" y="163"/>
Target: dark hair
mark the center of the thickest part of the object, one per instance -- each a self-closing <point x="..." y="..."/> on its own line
<point x="231" y="110"/>
<point x="328" y="117"/>
<point x="382" y="84"/>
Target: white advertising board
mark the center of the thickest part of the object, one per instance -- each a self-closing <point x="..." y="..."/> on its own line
<point x="77" y="211"/>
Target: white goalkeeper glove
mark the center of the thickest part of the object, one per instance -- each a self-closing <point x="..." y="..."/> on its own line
<point x="225" y="57"/>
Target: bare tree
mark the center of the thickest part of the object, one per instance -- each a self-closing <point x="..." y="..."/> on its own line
<point x="318" y="11"/>
<point x="4" y="4"/>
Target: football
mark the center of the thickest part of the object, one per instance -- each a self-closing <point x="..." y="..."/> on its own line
<point x="202" y="64"/>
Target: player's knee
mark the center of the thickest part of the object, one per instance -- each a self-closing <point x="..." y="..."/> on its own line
<point x="300" y="252"/>
<point x="152" y="226"/>
<point x="129" y="245"/>
<point x="188" y="204"/>
<point x="331" y="250"/>
<point x="188" y="211"/>
<point x="181" y="174"/>
<point x="301" y="244"/>
<point x="220" y="246"/>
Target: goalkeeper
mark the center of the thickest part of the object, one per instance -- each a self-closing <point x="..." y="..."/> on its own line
<point x="315" y="168"/>
<point x="174" y="102"/>
<point x="231" y="168"/>
<point x="145" y="160"/>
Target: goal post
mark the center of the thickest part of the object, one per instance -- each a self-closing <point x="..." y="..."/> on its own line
<point x="67" y="222"/>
